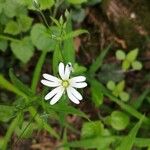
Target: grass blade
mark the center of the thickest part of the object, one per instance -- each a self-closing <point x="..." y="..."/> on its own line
<point x="99" y="60"/>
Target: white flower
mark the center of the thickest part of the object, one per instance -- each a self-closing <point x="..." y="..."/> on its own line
<point x="65" y="84"/>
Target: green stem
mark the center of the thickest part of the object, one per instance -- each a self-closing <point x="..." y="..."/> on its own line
<point x="9" y="38"/>
<point x="44" y="19"/>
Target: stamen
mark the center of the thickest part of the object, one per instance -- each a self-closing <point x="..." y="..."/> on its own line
<point x="65" y="83"/>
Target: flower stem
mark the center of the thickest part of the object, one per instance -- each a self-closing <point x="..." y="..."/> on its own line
<point x="44" y="19"/>
<point x="9" y="38"/>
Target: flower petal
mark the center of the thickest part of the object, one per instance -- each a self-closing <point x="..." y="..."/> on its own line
<point x="50" y="84"/>
<point x="57" y="96"/>
<point x="61" y="69"/>
<point x="67" y="72"/>
<point x="77" y="79"/>
<point x="78" y="85"/>
<point x="72" y="97"/>
<point x="75" y="93"/>
<point x="53" y="92"/>
<point x="51" y="78"/>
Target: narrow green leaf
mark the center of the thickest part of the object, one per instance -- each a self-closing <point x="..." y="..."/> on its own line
<point x="68" y="49"/>
<point x="37" y="71"/>
<point x="75" y="2"/>
<point x="92" y="143"/>
<point x="138" y="102"/>
<point x="74" y="34"/>
<point x="57" y="57"/>
<point x="10" y="131"/>
<point x="21" y="86"/>
<point x="128" y="141"/>
<point x="97" y="95"/>
<point x="99" y="60"/>
<point x="142" y="142"/>
<point x="67" y="110"/>
<point x="7" y="85"/>
<point x="6" y="112"/>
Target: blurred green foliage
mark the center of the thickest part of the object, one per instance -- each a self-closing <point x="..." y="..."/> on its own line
<point x="22" y="33"/>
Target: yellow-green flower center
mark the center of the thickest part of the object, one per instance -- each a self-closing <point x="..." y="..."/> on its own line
<point x="65" y="83"/>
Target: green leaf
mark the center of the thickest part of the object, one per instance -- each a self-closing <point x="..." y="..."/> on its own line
<point x="99" y="60"/>
<point x="8" y="86"/>
<point x="46" y="4"/>
<point x="119" y="120"/>
<point x="1" y="8"/>
<point x="26" y="130"/>
<point x="137" y="65"/>
<point x="75" y="33"/>
<point x="21" y="86"/>
<point x="41" y="38"/>
<point x="128" y="141"/>
<point x="124" y="106"/>
<point x="6" y="113"/>
<point x="23" y="50"/>
<point x="25" y="22"/>
<point x="132" y="55"/>
<point x="92" y="143"/>
<point x="120" y="86"/>
<point x="92" y="129"/>
<point x="97" y="95"/>
<point x="66" y="110"/>
<point x="13" y="8"/>
<point x="37" y="72"/>
<point x="125" y="65"/>
<point x="111" y="85"/>
<point x="75" y="2"/>
<point x="124" y="96"/>
<point x="120" y="55"/>
<point x="68" y="48"/>
<point x="3" y="45"/>
<point x="78" y="69"/>
<point x="139" y="101"/>
<point x="12" y="127"/>
<point x="57" y="58"/>
<point x="12" y="27"/>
